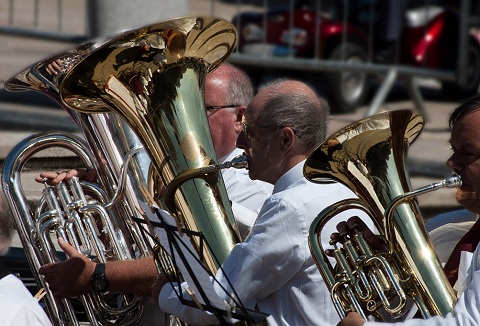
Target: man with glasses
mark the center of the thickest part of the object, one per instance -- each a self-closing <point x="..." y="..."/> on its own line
<point x="228" y="90"/>
<point x="273" y="269"/>
<point x="465" y="161"/>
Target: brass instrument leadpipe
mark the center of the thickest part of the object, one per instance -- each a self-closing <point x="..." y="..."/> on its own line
<point x="238" y="162"/>
<point x="453" y="181"/>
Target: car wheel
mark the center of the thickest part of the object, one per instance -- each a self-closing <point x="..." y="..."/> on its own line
<point x="454" y="91"/>
<point x="346" y="90"/>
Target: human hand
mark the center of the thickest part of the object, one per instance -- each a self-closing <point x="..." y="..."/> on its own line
<point x="352" y="319"/>
<point x="347" y="229"/>
<point x="54" y="178"/>
<point x="55" y="67"/>
<point x="71" y="277"/>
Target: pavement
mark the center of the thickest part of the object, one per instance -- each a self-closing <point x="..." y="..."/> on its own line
<point x="25" y="113"/>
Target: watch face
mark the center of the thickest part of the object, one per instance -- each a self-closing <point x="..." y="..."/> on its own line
<point x="99" y="280"/>
<point x="99" y="284"/>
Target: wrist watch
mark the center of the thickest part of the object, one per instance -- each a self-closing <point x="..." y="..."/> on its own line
<point x="99" y="279"/>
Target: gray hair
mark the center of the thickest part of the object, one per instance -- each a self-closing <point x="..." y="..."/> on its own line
<point x="7" y="227"/>
<point x="306" y="113"/>
<point x="240" y="90"/>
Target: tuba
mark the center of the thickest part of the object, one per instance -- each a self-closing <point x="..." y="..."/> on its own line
<point x="96" y="219"/>
<point x="153" y="78"/>
<point x="368" y="156"/>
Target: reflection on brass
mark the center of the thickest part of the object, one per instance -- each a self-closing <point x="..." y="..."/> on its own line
<point x="368" y="157"/>
<point x="154" y="77"/>
<point x="102" y="227"/>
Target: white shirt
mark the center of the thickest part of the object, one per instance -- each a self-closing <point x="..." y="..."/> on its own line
<point x="247" y="198"/>
<point x="17" y="306"/>
<point x="273" y="267"/>
<point x="445" y="230"/>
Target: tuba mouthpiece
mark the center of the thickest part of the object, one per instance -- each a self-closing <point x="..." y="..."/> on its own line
<point x="453" y="181"/>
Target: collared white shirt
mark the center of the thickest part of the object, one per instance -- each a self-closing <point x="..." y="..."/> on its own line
<point x="273" y="267"/>
<point x="17" y="306"/>
<point x="445" y="230"/>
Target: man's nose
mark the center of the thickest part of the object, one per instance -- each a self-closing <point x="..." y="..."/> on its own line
<point x="453" y="164"/>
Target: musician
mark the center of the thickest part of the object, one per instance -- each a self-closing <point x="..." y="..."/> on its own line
<point x="17" y="305"/>
<point x="273" y="268"/>
<point x="228" y="90"/>
<point x="465" y="161"/>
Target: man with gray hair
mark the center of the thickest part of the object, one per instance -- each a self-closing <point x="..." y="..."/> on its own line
<point x="17" y="305"/>
<point x="273" y="268"/>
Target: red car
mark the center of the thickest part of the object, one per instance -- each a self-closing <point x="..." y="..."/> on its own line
<point x="429" y="39"/>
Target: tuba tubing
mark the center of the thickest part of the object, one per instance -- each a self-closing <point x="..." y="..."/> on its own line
<point x="113" y="143"/>
<point x="153" y="78"/>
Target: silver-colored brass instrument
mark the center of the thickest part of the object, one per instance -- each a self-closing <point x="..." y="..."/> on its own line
<point x="368" y="156"/>
<point x="96" y="220"/>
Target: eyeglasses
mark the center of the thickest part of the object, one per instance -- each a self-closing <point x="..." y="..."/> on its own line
<point x="214" y="107"/>
<point x="247" y="129"/>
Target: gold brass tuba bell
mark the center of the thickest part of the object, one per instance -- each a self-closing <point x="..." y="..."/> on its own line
<point x="153" y="77"/>
<point x="368" y="157"/>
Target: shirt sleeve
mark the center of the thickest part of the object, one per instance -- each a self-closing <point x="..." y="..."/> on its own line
<point x="30" y="314"/>
<point x="269" y="257"/>
<point x="262" y="264"/>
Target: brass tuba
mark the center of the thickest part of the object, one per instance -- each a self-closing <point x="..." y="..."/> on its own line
<point x="368" y="156"/>
<point x="153" y="78"/>
<point x="96" y="219"/>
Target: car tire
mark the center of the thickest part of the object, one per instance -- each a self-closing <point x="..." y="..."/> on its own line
<point x="346" y="90"/>
<point x="454" y="91"/>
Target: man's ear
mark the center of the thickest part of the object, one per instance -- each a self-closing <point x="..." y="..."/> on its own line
<point x="238" y="119"/>
<point x="240" y="112"/>
<point x="287" y="138"/>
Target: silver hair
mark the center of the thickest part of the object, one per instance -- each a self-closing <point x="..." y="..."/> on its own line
<point x="307" y="115"/>
<point x="240" y="89"/>
<point x="7" y="227"/>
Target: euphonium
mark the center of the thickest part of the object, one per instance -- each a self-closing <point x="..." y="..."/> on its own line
<point x="153" y="77"/>
<point x="95" y="219"/>
<point x="368" y="156"/>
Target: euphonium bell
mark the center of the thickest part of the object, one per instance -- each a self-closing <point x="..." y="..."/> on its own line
<point x="368" y="156"/>
<point x="153" y="77"/>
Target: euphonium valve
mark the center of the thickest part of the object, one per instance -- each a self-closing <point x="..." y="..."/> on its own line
<point x="108" y="143"/>
<point x="368" y="156"/>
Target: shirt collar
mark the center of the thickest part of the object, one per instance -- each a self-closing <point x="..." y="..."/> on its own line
<point x="289" y="177"/>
